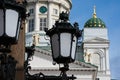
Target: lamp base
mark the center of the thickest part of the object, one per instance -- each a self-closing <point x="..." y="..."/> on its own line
<point x="7" y="67"/>
<point x="64" y="68"/>
<point x="5" y="49"/>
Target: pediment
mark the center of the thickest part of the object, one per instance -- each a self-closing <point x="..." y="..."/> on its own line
<point x="96" y="39"/>
<point x="43" y="60"/>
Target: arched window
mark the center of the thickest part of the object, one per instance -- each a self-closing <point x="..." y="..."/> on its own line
<point x="96" y="60"/>
<point x="31" y="25"/>
<point x="95" y="57"/>
<point x="43" y="23"/>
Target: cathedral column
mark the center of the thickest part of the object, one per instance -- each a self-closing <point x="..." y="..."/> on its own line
<point x="59" y="8"/>
<point x="49" y="14"/>
<point x="107" y="61"/>
<point x="85" y="54"/>
<point x="103" y="63"/>
<point x="36" y="21"/>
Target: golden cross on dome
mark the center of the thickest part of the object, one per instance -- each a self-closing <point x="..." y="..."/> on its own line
<point x="94" y="14"/>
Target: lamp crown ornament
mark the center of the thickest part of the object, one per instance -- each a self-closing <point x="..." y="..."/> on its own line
<point x="64" y="16"/>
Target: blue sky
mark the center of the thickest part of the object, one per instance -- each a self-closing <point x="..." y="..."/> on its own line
<point x="109" y="12"/>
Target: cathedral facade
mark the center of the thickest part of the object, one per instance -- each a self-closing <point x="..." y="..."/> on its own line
<point x="92" y="59"/>
<point x="96" y="46"/>
<point x="43" y="14"/>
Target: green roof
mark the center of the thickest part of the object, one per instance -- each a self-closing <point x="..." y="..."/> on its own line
<point x="47" y="48"/>
<point x="94" y="22"/>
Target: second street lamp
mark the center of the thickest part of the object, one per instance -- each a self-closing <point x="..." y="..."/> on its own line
<point x="11" y="15"/>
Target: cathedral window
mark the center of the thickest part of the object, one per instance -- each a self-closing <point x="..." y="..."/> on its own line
<point x="31" y="11"/>
<point x="31" y="25"/>
<point x="96" y="60"/>
<point x="55" y="11"/>
<point x="94" y="57"/>
<point x="43" y="23"/>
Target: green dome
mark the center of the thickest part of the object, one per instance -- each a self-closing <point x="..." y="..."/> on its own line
<point x="94" y="23"/>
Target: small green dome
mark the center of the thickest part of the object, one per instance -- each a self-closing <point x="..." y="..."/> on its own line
<point x="95" y="23"/>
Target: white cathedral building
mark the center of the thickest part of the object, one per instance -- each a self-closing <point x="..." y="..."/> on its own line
<point x="92" y="58"/>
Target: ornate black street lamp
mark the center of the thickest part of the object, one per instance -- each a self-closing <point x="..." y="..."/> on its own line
<point x="63" y="38"/>
<point x="11" y="15"/>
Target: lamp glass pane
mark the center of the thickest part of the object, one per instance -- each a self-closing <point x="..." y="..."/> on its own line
<point x="11" y="22"/>
<point x="74" y="47"/>
<point x="55" y="45"/>
<point x="65" y="46"/>
<point x="1" y="22"/>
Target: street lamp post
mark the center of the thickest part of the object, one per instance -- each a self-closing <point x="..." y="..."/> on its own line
<point x="11" y="15"/>
<point x="63" y="38"/>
